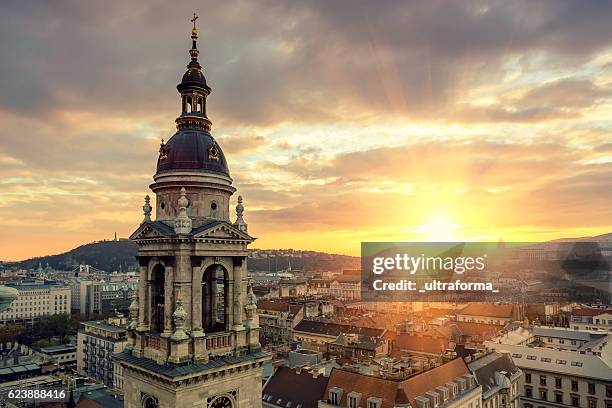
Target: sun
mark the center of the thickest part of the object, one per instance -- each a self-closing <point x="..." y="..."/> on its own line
<point x="440" y="229"/>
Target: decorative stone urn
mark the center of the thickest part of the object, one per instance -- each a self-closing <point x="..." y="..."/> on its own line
<point x="180" y="317"/>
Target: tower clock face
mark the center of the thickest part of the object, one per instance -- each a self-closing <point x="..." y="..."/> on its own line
<point x="222" y="402"/>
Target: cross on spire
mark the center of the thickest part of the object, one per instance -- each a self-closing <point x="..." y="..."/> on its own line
<point x="193" y="20"/>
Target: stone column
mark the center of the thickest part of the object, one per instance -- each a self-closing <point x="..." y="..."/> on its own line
<point x="168" y="300"/>
<point x="196" y="299"/>
<point x="238" y="272"/>
<point x="143" y="318"/>
<point x="229" y="302"/>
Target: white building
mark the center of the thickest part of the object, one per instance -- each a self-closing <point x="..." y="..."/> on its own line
<point x="591" y="319"/>
<point x="557" y="375"/>
<point x="35" y="300"/>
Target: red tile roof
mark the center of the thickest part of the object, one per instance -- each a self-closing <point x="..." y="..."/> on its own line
<point x="478" y="329"/>
<point x="421" y="344"/>
<point x="275" y="305"/>
<point x="429" y="380"/>
<point x="589" y="312"/>
<point x="501" y="310"/>
<point x="393" y="392"/>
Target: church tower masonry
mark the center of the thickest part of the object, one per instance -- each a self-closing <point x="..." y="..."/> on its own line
<point x="193" y="339"/>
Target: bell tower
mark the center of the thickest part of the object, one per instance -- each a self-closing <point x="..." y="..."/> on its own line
<point x="193" y="339"/>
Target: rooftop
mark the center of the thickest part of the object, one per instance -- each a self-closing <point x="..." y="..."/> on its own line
<point x="335" y="329"/>
<point x="300" y="389"/>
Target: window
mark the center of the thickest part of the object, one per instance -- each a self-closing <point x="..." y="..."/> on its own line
<point x="528" y="392"/>
<point x="528" y="378"/>
<point x="575" y="401"/>
<point x="545" y="359"/>
<point x="561" y="362"/>
<point x="334" y="396"/>
<point x="592" y="402"/>
<point x="544" y="395"/>
<point x="559" y="398"/>
<point x="558" y="382"/>
<point x="532" y="358"/>
<point x="517" y="355"/>
<point x="609" y="391"/>
<point x="543" y="380"/>
<point x="574" y="385"/>
<point x="576" y="364"/>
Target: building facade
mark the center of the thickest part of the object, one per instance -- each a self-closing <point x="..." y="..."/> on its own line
<point x="97" y="341"/>
<point x="35" y="300"/>
<point x="556" y="375"/>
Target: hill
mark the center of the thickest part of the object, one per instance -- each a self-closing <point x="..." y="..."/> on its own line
<point x="104" y="255"/>
<point x="121" y="255"/>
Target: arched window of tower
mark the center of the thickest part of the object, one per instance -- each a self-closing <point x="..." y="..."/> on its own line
<point x="158" y="298"/>
<point x="215" y="299"/>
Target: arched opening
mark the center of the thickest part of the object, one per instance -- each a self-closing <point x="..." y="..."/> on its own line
<point x="200" y="105"/>
<point x="188" y="104"/>
<point x="215" y="299"/>
<point x="158" y="282"/>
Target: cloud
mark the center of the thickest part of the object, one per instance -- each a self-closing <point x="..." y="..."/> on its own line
<point x="341" y="117"/>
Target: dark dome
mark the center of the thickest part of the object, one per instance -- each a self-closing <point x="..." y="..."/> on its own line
<point x="192" y="150"/>
<point x="193" y="78"/>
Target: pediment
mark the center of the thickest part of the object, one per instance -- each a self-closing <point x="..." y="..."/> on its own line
<point x="223" y="230"/>
<point x="148" y="230"/>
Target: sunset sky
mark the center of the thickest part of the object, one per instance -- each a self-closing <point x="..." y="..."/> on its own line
<point x="342" y="121"/>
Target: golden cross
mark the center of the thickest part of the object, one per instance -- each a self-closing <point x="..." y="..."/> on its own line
<point x="193" y="20"/>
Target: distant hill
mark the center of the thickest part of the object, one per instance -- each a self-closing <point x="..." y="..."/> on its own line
<point x="104" y="255"/>
<point x="112" y="256"/>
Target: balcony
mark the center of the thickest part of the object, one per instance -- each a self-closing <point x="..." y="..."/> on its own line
<point x="218" y="341"/>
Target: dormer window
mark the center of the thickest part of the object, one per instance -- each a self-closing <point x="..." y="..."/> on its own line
<point x="374" y="402"/>
<point x="353" y="399"/>
<point x="335" y="395"/>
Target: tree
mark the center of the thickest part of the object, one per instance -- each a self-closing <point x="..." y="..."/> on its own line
<point x="10" y="332"/>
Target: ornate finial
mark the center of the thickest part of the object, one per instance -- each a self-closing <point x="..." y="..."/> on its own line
<point x="193" y="20"/>
<point x="252" y="319"/>
<point x="147" y="209"/>
<point x="182" y="223"/>
<point x="251" y="298"/>
<point x="194" y="36"/>
<point x="163" y="153"/>
<point x="134" y="310"/>
<point x="240" y="224"/>
<point x="179" y="316"/>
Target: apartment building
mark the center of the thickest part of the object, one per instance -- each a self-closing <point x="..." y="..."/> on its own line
<point x="35" y="300"/>
<point x="499" y="378"/>
<point x="559" y="376"/>
<point x="489" y="313"/>
<point x="449" y="385"/>
<point x="97" y="341"/>
<point x="591" y="319"/>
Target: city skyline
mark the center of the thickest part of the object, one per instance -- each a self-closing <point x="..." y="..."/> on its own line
<point x="478" y="122"/>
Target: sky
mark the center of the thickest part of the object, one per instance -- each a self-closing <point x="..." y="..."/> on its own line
<point x="342" y="121"/>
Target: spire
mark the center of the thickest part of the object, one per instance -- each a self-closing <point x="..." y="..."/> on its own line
<point x="240" y="224"/>
<point x="194" y="36"/>
<point x="194" y="90"/>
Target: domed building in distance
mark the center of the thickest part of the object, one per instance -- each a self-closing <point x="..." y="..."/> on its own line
<point x="193" y="339"/>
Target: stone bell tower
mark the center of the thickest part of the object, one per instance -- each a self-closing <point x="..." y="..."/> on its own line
<point x="194" y="332"/>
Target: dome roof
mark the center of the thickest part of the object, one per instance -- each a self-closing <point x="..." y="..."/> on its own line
<point x="192" y="150"/>
<point x="194" y="78"/>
